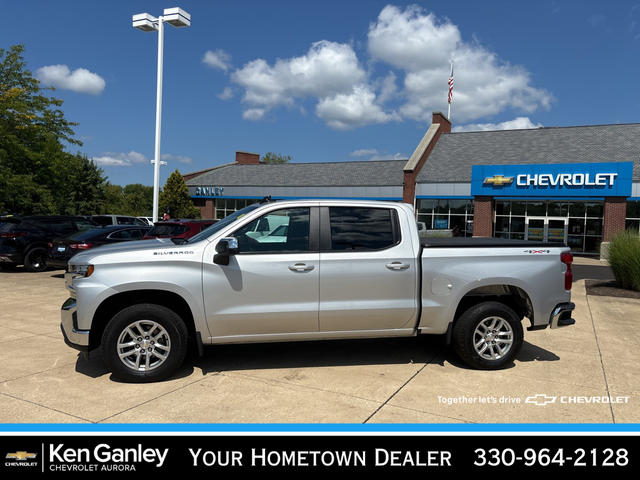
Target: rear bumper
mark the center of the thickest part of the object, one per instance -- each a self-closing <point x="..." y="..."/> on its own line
<point x="57" y="262"/>
<point x="78" y="339"/>
<point x="561" y="315"/>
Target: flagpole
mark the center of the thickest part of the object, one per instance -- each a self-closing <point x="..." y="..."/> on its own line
<point x="450" y="91"/>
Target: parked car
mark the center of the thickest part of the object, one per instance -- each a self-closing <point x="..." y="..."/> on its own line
<point x="63" y="248"/>
<point x="24" y="239"/>
<point x="278" y="235"/>
<point x="178" y="228"/>
<point x="118" y="220"/>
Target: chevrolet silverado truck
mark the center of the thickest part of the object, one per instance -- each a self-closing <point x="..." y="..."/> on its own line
<point x="335" y="270"/>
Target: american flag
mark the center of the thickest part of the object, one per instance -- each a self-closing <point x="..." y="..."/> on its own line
<point x="450" y="84"/>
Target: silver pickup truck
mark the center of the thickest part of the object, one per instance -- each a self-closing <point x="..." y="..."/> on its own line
<point x="328" y="270"/>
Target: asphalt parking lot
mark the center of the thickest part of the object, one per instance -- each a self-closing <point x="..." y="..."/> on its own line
<point x="584" y="374"/>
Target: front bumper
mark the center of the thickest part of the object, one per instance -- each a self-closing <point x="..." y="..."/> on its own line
<point x="75" y="338"/>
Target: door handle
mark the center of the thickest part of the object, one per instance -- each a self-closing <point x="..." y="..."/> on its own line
<point x="301" y="267"/>
<point x="397" y="266"/>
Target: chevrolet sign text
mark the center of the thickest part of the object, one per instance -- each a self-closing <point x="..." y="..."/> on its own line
<point x="566" y="179"/>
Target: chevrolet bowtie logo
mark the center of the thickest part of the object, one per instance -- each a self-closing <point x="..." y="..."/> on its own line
<point x="498" y="180"/>
<point x="540" y="399"/>
<point x="21" y="455"/>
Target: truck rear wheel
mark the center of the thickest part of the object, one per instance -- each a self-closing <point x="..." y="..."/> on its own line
<point x="144" y="343"/>
<point x="488" y="336"/>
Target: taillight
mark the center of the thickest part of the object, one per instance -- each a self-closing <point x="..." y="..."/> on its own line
<point x="81" y="246"/>
<point x="567" y="259"/>
<point x="12" y="234"/>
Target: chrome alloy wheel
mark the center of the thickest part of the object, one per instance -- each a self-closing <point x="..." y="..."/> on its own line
<point x="143" y="345"/>
<point x="493" y="338"/>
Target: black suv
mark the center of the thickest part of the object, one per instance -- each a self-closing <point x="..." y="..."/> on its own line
<point x="23" y="239"/>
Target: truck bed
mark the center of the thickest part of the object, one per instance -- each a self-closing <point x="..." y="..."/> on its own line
<point x="483" y="242"/>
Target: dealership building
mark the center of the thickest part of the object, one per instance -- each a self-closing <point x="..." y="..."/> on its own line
<point x="577" y="185"/>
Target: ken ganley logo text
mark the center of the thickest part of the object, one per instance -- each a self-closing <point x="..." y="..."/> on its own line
<point x="20" y="459"/>
<point x="103" y="458"/>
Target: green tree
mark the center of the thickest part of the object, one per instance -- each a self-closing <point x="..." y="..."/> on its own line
<point x="174" y="199"/>
<point x="138" y="200"/>
<point x="37" y="174"/>
<point x="275" y="158"/>
<point x="113" y="200"/>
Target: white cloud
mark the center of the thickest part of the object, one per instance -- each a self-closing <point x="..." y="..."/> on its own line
<point x="175" y="158"/>
<point x="329" y="74"/>
<point x="217" y="59"/>
<point x="415" y="48"/>
<point x="515" y="124"/>
<point x="374" y="154"/>
<point x="364" y="152"/>
<point x="80" y="80"/>
<point x="395" y="156"/>
<point x="110" y="159"/>
<point x="411" y="40"/>
<point x="422" y="46"/>
<point x="357" y="108"/>
<point x="226" y="94"/>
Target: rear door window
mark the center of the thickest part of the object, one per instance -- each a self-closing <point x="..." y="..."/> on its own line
<point x="354" y="228"/>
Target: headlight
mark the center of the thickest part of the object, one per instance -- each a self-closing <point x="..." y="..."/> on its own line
<point x="82" y="270"/>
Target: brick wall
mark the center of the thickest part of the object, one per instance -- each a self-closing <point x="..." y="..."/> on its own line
<point x="615" y="213"/>
<point x="483" y="211"/>
<point x="206" y="206"/>
<point x="245" y="158"/>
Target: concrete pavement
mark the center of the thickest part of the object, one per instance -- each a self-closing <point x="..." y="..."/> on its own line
<point x="584" y="374"/>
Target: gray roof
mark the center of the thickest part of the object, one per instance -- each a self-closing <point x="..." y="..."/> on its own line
<point x="455" y="153"/>
<point x="359" y="173"/>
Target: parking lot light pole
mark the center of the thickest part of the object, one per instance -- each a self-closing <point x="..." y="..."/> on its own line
<point x="147" y="23"/>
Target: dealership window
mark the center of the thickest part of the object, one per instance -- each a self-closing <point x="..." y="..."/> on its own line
<point x="447" y="214"/>
<point x="581" y="221"/>
<point x="226" y="206"/>
<point x="633" y="215"/>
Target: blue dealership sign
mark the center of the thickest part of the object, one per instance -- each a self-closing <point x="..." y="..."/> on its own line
<point x="553" y="180"/>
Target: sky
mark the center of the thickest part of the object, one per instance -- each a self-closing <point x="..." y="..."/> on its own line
<point x="323" y="81"/>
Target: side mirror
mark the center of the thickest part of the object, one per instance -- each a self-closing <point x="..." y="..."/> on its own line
<point x="225" y="248"/>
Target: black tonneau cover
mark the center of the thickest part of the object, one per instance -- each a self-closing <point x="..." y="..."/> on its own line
<point x="484" y="242"/>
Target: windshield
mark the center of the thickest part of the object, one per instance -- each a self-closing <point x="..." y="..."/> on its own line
<point x="165" y="230"/>
<point x="216" y="227"/>
<point x="84" y="234"/>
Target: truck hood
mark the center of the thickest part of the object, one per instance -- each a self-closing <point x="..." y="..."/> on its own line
<point x="136" y="251"/>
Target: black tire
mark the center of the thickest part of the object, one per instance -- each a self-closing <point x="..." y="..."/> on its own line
<point x="36" y="260"/>
<point x="144" y="343"/>
<point x="488" y="336"/>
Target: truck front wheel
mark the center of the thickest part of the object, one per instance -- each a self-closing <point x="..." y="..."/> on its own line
<point x="144" y="343"/>
<point x="488" y="336"/>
